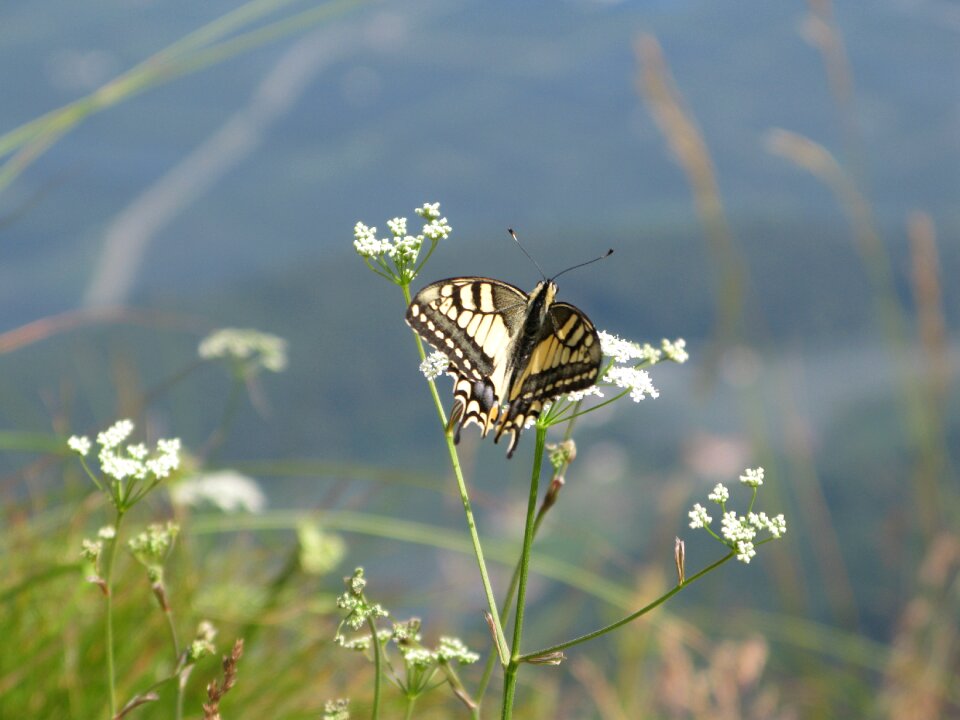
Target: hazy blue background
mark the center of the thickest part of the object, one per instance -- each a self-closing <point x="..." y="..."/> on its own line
<point x="228" y="197"/>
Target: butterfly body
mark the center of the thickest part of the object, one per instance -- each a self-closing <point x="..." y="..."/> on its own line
<point x="509" y="352"/>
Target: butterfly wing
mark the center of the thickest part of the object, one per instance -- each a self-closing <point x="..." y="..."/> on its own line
<point x="472" y="321"/>
<point x="566" y="357"/>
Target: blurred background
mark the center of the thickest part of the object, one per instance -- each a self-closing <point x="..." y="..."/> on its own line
<point x="780" y="184"/>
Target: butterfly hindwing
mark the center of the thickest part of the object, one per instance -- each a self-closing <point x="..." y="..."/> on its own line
<point x="565" y="358"/>
<point x="509" y="352"/>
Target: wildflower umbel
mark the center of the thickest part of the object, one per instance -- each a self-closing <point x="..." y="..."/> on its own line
<point x="202" y="644"/>
<point x="248" y="349"/>
<point x="336" y="709"/>
<point x="359" y="611"/>
<point x="152" y="547"/>
<point x="624" y="367"/>
<point x="130" y="471"/>
<point x="397" y="257"/>
<point x="434" y="365"/>
<point x="739" y="532"/>
<point x="226" y="490"/>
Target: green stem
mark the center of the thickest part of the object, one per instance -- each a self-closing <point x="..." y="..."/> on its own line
<point x="176" y="661"/>
<point x="377" y="668"/>
<point x="218" y="436"/>
<point x="108" y="581"/>
<point x="411" y="702"/>
<point x="510" y="677"/>
<point x="465" y="499"/>
<point x="629" y="618"/>
<point x="515" y="578"/>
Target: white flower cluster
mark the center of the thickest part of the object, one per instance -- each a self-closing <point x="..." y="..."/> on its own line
<point x="698" y="517"/>
<point x="359" y="610"/>
<point x="434" y="365"/>
<point x="627" y="374"/>
<point x="676" y="350"/>
<point x="626" y="351"/>
<point x="91" y="549"/>
<point x="449" y="650"/>
<point x="406" y="631"/>
<point x="752" y="477"/>
<point x="258" y="349"/>
<point x="738" y="532"/>
<point x="80" y="445"/>
<point x="579" y="395"/>
<point x="620" y="350"/>
<point x="720" y="494"/>
<point x="436" y="227"/>
<point x="336" y="709"/>
<point x="776" y="526"/>
<point x="452" y="649"/>
<point x="227" y="490"/>
<point x="134" y="461"/>
<point x="202" y="644"/>
<point x="151" y="546"/>
<point x="401" y="247"/>
<point x="637" y="381"/>
<point x="366" y="244"/>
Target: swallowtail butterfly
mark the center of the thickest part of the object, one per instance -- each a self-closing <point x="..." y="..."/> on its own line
<point x="509" y="352"/>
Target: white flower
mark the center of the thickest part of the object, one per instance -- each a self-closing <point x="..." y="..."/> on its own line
<point x="365" y="241"/>
<point x="91" y="549"/>
<point x="452" y="649"/>
<point x="259" y="348"/>
<point x="437" y="229"/>
<point x="581" y="394"/>
<point x="336" y="709"/>
<point x="776" y="526"/>
<point x="107" y="532"/>
<point x="737" y="528"/>
<point x="698" y="517"/>
<point x="638" y="381"/>
<point x="720" y="494"/>
<point x="745" y="551"/>
<point x="417" y="656"/>
<point x="649" y="354"/>
<point x="168" y="459"/>
<point x="620" y="350"/>
<point x="79" y="444"/>
<point x="152" y="545"/>
<point x="138" y="451"/>
<point x="115" y="434"/>
<point x="134" y="462"/>
<point x="406" y="248"/>
<point x="676" y="350"/>
<point x="398" y="226"/>
<point x="752" y="477"/>
<point x="227" y="490"/>
<point x="434" y="365"/>
<point x="429" y="211"/>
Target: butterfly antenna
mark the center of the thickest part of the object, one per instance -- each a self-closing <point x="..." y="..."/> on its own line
<point x="607" y="254"/>
<point x="524" y="251"/>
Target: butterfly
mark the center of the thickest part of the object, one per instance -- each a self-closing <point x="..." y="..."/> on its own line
<point x="509" y="352"/>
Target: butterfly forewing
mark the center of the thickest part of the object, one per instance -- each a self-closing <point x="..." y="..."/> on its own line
<point x="509" y="352"/>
